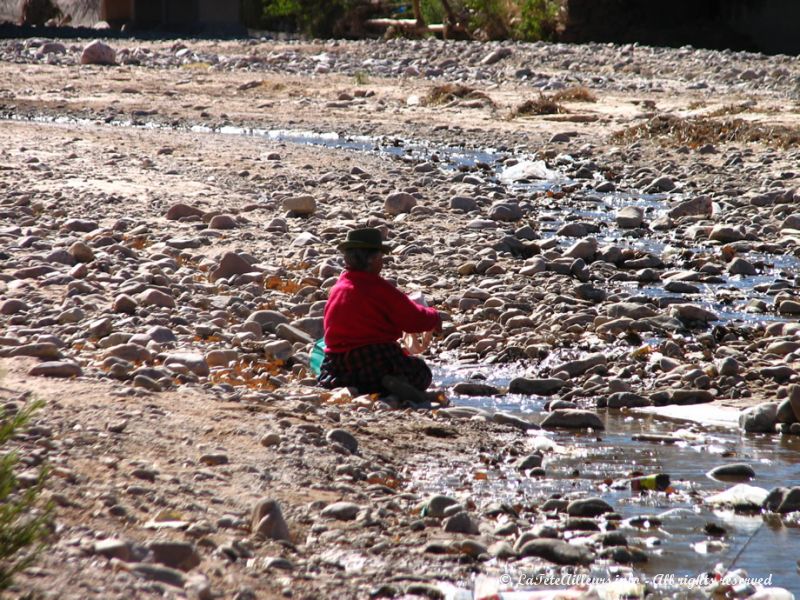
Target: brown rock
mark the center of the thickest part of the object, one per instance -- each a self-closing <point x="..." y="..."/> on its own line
<point x="113" y="548"/>
<point x="221" y="358"/>
<point x="700" y="205"/>
<point x="794" y="400"/>
<point x="156" y="298"/>
<point x="56" y="369"/>
<point x="81" y="252"/>
<point x="125" y="304"/>
<point x="195" y="363"/>
<point x="268" y="521"/>
<point x="79" y="225"/>
<point x="399" y="202"/>
<point x="44" y="350"/>
<point x="175" y="554"/>
<point x="300" y="205"/>
<point x="12" y="307"/>
<point x="181" y="210"/>
<point x="130" y="352"/>
<point x="98" y="53"/>
<point x="231" y="264"/>
<point x="33" y="272"/>
<point x="223" y="222"/>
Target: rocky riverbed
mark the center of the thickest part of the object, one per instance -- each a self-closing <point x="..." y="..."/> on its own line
<point x="616" y="226"/>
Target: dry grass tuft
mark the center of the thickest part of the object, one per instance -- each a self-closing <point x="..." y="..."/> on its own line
<point x="731" y="109"/>
<point x="576" y="93"/>
<point x="543" y="105"/>
<point x="696" y="132"/>
<point x="448" y="92"/>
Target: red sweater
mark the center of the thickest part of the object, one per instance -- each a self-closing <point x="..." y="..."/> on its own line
<point x="364" y="308"/>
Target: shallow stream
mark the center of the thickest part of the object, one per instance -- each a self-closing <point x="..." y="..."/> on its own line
<point x="522" y="174"/>
<point x="586" y="461"/>
<point x="679" y="545"/>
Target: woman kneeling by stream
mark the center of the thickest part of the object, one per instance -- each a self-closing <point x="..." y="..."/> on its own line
<point x="365" y="316"/>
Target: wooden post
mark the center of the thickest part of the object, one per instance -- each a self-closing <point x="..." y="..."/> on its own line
<point x="453" y="27"/>
<point x="418" y="14"/>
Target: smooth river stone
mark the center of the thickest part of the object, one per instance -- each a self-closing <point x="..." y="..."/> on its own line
<point x="572" y="419"/>
<point x="733" y="472"/>
<point x="56" y="369"/>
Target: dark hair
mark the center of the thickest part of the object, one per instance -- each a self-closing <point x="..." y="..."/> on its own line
<point x="358" y="259"/>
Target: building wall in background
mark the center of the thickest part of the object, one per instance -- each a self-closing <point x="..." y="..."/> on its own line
<point x="773" y="25"/>
<point x="759" y="25"/>
<point x="84" y="12"/>
<point x="223" y="16"/>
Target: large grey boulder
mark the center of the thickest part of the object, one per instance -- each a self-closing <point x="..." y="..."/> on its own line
<point x="760" y="418"/>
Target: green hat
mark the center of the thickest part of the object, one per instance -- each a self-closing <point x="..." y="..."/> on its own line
<point x="369" y="239"/>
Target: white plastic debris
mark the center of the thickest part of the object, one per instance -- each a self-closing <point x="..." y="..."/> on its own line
<point x="527" y="169"/>
<point x="740" y="496"/>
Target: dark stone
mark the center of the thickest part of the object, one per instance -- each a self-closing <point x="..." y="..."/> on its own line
<point x="790" y="502"/>
<point x="267" y="521"/>
<point x="345" y="438"/>
<point x="471" y="388"/>
<point x="557" y="551"/>
<point x="554" y="504"/>
<point x="178" y="555"/>
<point x="627" y="400"/>
<point x="624" y="555"/>
<point x="535" y="387"/>
<point x="685" y="397"/>
<point x="529" y="462"/>
<point x="733" y="472"/>
<point x="572" y="419"/>
<point x="774" y="499"/>
<point x="588" y="507"/>
<point x="581" y="525"/>
<point x="460" y="522"/>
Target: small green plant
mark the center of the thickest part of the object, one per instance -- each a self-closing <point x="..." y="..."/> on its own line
<point x="432" y="11"/>
<point x="23" y="516"/>
<point x="361" y="78"/>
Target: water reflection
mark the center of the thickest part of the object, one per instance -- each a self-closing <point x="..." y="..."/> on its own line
<point x="593" y="464"/>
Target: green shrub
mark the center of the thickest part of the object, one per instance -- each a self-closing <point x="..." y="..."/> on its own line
<point x="528" y="20"/>
<point x="537" y="20"/>
<point x="318" y="18"/>
<point x="432" y="11"/>
<point x="23" y="516"/>
<point x="489" y="19"/>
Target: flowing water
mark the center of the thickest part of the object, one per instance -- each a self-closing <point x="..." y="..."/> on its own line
<point x="586" y="462"/>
